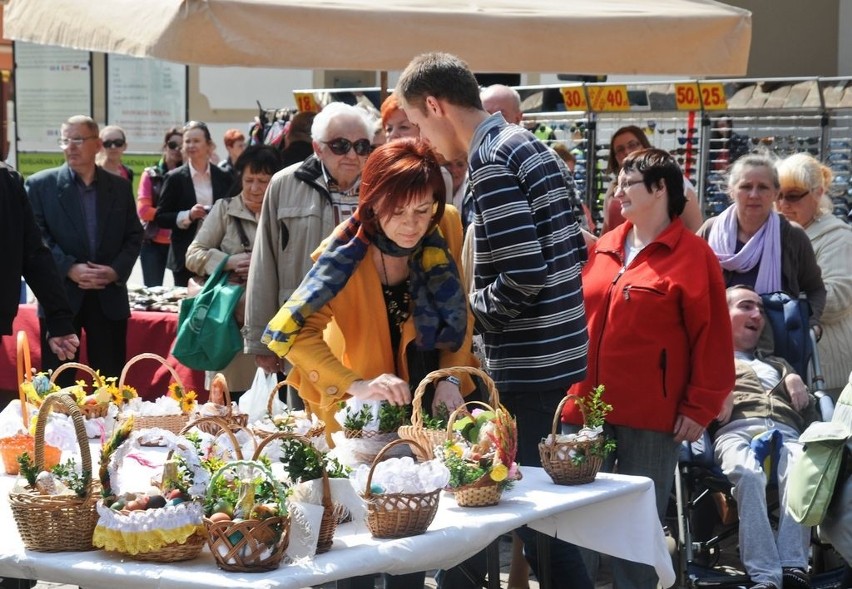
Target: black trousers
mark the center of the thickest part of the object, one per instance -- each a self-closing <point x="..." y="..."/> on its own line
<point x="106" y="342"/>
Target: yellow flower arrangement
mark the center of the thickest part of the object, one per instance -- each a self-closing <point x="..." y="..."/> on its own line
<point x="187" y="399"/>
<point x="121" y="396"/>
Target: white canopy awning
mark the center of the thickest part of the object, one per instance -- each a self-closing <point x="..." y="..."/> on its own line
<point x="689" y="37"/>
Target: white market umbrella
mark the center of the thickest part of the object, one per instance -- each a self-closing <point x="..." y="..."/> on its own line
<point x="690" y="37"/>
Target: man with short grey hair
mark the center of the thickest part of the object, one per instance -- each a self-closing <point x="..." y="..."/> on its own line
<point x="303" y="204"/>
<point x="502" y="99"/>
<point x="88" y="219"/>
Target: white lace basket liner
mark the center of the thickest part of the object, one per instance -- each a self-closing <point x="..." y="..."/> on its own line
<point x="151" y="530"/>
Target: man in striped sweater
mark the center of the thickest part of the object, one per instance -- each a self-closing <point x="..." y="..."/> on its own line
<point x="527" y="297"/>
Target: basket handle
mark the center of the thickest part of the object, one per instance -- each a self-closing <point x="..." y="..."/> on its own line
<point x="381" y="456"/>
<point x="66" y="399"/>
<point x="148" y="356"/>
<point x="224" y="426"/>
<point x="25" y="373"/>
<point x="96" y="379"/>
<point x="440" y="374"/>
<point x="326" y="486"/>
<point x="272" y="395"/>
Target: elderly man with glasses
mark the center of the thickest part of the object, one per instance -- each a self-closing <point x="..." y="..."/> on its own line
<point x="303" y="203"/>
<point x="88" y="219"/>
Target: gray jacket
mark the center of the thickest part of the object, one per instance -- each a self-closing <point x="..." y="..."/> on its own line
<point x="297" y="215"/>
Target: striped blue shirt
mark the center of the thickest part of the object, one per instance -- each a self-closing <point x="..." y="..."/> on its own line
<point x="528" y="298"/>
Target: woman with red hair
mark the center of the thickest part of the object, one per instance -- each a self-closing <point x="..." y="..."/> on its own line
<point x="383" y="304"/>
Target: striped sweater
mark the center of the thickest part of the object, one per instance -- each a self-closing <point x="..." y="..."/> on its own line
<point x="527" y="298"/>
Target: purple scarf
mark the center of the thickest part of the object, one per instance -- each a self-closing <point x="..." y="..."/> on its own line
<point x="763" y="248"/>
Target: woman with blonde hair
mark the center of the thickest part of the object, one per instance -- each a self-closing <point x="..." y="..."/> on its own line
<point x="803" y="200"/>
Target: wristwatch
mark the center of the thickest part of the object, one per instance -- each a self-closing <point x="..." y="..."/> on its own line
<point x="453" y="380"/>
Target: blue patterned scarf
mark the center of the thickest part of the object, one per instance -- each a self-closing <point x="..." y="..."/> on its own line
<point x="440" y="306"/>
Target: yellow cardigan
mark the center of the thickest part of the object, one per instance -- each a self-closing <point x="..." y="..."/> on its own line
<point x="349" y="338"/>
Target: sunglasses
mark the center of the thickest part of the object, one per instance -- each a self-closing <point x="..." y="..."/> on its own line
<point x="110" y="143"/>
<point x="792" y="197"/>
<point x="173" y="145"/>
<point x="341" y="146"/>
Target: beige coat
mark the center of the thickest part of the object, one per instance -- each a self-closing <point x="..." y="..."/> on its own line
<point x="832" y="242"/>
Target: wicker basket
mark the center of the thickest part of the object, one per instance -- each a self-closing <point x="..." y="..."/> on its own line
<point x="331" y="512"/>
<point x="428" y="439"/>
<point x="57" y="523"/>
<point x="227" y="415"/>
<point x="173" y="423"/>
<point x="166" y="534"/>
<point x="485" y="491"/>
<point x="398" y="515"/>
<point x="556" y="456"/>
<point x="316" y="431"/>
<point x="251" y="545"/>
<point x="89" y="411"/>
<point x="216" y="426"/>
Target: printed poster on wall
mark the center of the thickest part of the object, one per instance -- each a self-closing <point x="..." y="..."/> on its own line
<point x="51" y="85"/>
<point x="145" y="97"/>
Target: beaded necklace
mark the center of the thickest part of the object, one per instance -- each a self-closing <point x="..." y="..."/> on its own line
<point x="397" y="297"/>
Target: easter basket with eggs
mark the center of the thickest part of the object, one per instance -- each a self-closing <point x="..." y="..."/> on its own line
<point x="94" y="404"/>
<point x="160" y="524"/>
<point x="56" y="513"/>
<point x="246" y="518"/>
<point x="575" y="459"/>
<point x="401" y="495"/>
<point x="480" y="452"/>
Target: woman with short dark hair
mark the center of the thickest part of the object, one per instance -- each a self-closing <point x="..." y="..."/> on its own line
<point x="659" y="338"/>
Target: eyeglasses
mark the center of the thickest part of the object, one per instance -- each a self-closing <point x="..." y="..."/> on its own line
<point x="789" y="197"/>
<point x="76" y="141"/>
<point x="110" y="143"/>
<point x="173" y="145"/>
<point x="624" y="186"/>
<point x="341" y="146"/>
<point x="628" y="147"/>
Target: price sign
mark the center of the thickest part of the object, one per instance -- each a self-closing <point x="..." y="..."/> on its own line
<point x="687" y="96"/>
<point x="574" y="98"/>
<point x="609" y="98"/>
<point x="305" y="102"/>
<point x="713" y="96"/>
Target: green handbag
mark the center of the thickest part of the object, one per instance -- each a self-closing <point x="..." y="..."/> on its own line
<point x="208" y="337"/>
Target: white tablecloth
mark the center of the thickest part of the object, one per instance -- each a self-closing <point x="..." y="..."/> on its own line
<point x="614" y="515"/>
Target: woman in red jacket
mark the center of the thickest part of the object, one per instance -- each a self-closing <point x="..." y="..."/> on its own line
<point x="659" y="334"/>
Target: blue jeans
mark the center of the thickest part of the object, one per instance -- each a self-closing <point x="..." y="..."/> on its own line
<point x="153" y="259"/>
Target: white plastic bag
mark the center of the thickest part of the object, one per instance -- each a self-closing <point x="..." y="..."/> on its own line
<point x="254" y="400"/>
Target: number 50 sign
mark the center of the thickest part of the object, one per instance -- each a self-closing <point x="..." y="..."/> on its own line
<point x="706" y="95"/>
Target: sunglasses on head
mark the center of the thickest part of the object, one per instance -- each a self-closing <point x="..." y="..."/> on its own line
<point x="110" y="143"/>
<point x="789" y="197"/>
<point x="341" y="146"/>
<point x="173" y="145"/>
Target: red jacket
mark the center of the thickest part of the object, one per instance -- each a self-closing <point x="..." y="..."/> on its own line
<point x="659" y="331"/>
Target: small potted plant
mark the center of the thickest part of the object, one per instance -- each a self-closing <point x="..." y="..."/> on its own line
<point x="574" y="459"/>
<point x="480" y="455"/>
<point x="367" y="428"/>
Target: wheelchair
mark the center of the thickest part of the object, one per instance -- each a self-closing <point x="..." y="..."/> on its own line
<point x="703" y="514"/>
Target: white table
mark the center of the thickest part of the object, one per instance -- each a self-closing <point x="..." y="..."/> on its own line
<point x="615" y="515"/>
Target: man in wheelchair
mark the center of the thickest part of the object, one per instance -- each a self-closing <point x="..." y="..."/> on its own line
<point x="768" y="409"/>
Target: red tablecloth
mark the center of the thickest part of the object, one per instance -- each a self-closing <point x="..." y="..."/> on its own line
<point x="147" y="331"/>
